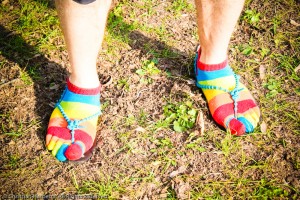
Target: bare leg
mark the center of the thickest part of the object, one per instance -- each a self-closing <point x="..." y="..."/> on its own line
<point x="230" y="103"/>
<point x="216" y="20"/>
<point x="72" y="127"/>
<point x="83" y="28"/>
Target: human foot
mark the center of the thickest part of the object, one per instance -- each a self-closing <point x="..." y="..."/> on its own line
<point x="72" y="126"/>
<point x="230" y="102"/>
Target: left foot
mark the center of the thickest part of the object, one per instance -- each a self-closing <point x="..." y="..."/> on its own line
<point x="230" y="102"/>
<point x="72" y="126"/>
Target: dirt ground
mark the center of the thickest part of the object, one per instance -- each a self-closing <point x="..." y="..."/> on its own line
<point x="135" y="158"/>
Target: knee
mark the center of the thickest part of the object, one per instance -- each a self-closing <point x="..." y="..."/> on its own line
<point x="84" y="1"/>
<point x="102" y="2"/>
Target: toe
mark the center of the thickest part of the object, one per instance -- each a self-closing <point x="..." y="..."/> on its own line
<point x="249" y="119"/>
<point x="48" y="139"/>
<point x="247" y="124"/>
<point x="56" y="147"/>
<point x="253" y="117"/>
<point x="74" y="152"/>
<point x="52" y="143"/>
<point x="255" y="114"/>
<point x="61" y="152"/>
<point x="236" y="127"/>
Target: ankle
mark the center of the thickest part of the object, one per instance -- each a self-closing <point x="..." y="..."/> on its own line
<point x="212" y="56"/>
<point x="85" y="81"/>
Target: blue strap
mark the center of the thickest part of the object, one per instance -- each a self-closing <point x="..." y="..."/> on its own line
<point x="73" y="124"/>
<point x="233" y="93"/>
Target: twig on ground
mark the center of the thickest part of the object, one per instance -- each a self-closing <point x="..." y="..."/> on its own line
<point x="9" y="82"/>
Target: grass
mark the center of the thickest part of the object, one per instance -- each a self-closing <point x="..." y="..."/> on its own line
<point x="142" y="149"/>
<point x="179" y="6"/>
<point x="264" y="189"/>
<point x="117" y="28"/>
<point x="106" y="189"/>
<point x="182" y="116"/>
<point x="11" y="128"/>
<point x="147" y="71"/>
<point x="13" y="162"/>
<point x="252" y="17"/>
<point x="35" y="19"/>
<point x="123" y="84"/>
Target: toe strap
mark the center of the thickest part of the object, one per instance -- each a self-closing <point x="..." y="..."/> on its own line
<point x="74" y="124"/>
<point x="233" y="93"/>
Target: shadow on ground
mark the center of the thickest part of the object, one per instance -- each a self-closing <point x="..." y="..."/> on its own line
<point x="49" y="77"/>
<point x="43" y="72"/>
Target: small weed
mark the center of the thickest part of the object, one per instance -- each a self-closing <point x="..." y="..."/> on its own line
<point x="106" y="188"/>
<point x="148" y="6"/>
<point x="25" y="77"/>
<point x="246" y="49"/>
<point x="178" y="6"/>
<point x="171" y="194"/>
<point x="182" y="116"/>
<point x="288" y="64"/>
<point x="161" y="124"/>
<point x="144" y="177"/>
<point x="165" y="142"/>
<point x="13" y="162"/>
<point x="142" y="118"/>
<point x="276" y="22"/>
<point x="274" y="86"/>
<point x="266" y="190"/>
<point x="226" y="144"/>
<point x="164" y="53"/>
<point x="168" y="162"/>
<point x="280" y="40"/>
<point x="104" y="105"/>
<point x="196" y="145"/>
<point x="123" y="84"/>
<point x="264" y="52"/>
<point x="118" y="29"/>
<point x="124" y="136"/>
<point x="147" y="71"/>
<point x="251" y="17"/>
<point x="163" y="34"/>
<point x="130" y="120"/>
<point x="229" y="144"/>
<point x="33" y="72"/>
<point x="9" y="127"/>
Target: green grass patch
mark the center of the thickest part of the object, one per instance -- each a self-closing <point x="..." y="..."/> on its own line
<point x="181" y="116"/>
<point x="274" y="87"/>
<point x="243" y="188"/>
<point x="11" y="128"/>
<point x="104" y="189"/>
<point x="123" y="84"/>
<point x="179" y="6"/>
<point x="147" y="71"/>
<point x="252" y="17"/>
<point x="118" y="29"/>
<point x="37" y="24"/>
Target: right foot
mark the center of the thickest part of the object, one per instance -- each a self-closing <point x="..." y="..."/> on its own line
<point x="222" y="89"/>
<point x="72" y="126"/>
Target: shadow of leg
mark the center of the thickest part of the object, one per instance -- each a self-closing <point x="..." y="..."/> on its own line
<point x="33" y="71"/>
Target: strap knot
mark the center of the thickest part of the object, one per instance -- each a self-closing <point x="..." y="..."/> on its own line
<point x="73" y="125"/>
<point x="235" y="93"/>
